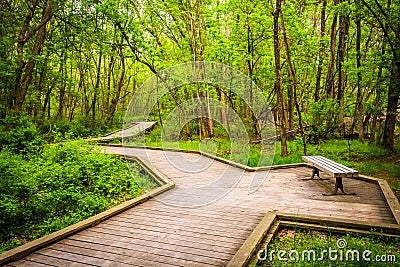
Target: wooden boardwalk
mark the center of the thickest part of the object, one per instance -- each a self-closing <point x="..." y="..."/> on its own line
<point x="130" y="131"/>
<point x="157" y="234"/>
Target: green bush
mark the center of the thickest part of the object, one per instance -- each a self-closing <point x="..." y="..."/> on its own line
<point x="22" y="135"/>
<point x="61" y="185"/>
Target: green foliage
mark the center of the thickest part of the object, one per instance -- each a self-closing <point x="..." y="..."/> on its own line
<point x="22" y="137"/>
<point x="64" y="184"/>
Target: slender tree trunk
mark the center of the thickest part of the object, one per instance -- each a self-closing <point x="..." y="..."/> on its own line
<point x="320" y="53"/>
<point x="114" y="101"/>
<point x="376" y="102"/>
<point x="210" y="117"/>
<point x="60" y="111"/>
<point x="293" y="85"/>
<point x="95" y="91"/>
<point x="224" y="120"/>
<point x="360" y="109"/>
<point x="329" y="84"/>
<point x="278" y="80"/>
<point x="293" y="81"/>
<point x="343" y="27"/>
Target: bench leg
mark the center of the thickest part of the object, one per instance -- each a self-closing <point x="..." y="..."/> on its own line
<point x="315" y="172"/>
<point x="338" y="185"/>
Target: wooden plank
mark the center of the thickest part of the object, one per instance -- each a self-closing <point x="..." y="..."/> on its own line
<point x="336" y="229"/>
<point x="109" y="255"/>
<point x="25" y="249"/>
<point x="120" y="232"/>
<point x="159" y="248"/>
<point x="44" y="259"/>
<point x="391" y="199"/>
<point x="236" y="219"/>
<point x="192" y="222"/>
<point x="267" y="239"/>
<point x="216" y="231"/>
<point x="353" y="224"/>
<point x="248" y="248"/>
<point x="230" y="222"/>
<point x="162" y="259"/>
<point x="162" y="239"/>
<point x="152" y="251"/>
<point x="26" y="263"/>
<point x="90" y="260"/>
<point x="215" y="210"/>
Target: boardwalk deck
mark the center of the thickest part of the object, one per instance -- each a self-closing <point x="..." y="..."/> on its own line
<point x="130" y="131"/>
<point x="156" y="234"/>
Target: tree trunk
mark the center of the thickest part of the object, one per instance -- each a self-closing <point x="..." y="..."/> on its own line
<point x="60" y="110"/>
<point x="293" y="81"/>
<point x="391" y="111"/>
<point x="343" y="27"/>
<point x="376" y="102"/>
<point x="359" y="109"/>
<point x="114" y="101"/>
<point x="278" y="80"/>
<point x="22" y="81"/>
<point x="329" y="84"/>
<point x="293" y="85"/>
<point x="320" y="53"/>
<point x="95" y="90"/>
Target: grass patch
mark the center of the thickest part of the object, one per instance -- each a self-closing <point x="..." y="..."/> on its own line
<point x="58" y="186"/>
<point x="301" y="240"/>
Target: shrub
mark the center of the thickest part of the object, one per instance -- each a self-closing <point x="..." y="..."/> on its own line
<point x="23" y="135"/>
<point x="60" y="185"/>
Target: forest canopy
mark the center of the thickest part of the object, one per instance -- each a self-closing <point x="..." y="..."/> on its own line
<point x="329" y="69"/>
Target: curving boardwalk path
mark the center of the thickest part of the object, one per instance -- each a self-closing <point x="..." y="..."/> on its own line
<point x="130" y="131"/>
<point x="159" y="234"/>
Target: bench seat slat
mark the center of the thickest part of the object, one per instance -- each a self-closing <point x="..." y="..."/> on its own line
<point x="332" y="165"/>
<point x="329" y="166"/>
<point x="336" y="165"/>
<point x="319" y="165"/>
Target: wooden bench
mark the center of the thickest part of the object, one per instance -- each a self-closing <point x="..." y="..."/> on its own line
<point x="338" y="171"/>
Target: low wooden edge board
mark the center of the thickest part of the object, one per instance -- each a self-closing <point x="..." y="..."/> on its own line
<point x="336" y="229"/>
<point x="273" y="221"/>
<point x="391" y="199"/>
<point x="246" y="251"/>
<point x="229" y="162"/>
<point x="24" y="250"/>
<point x="379" y="228"/>
<point x="152" y="171"/>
